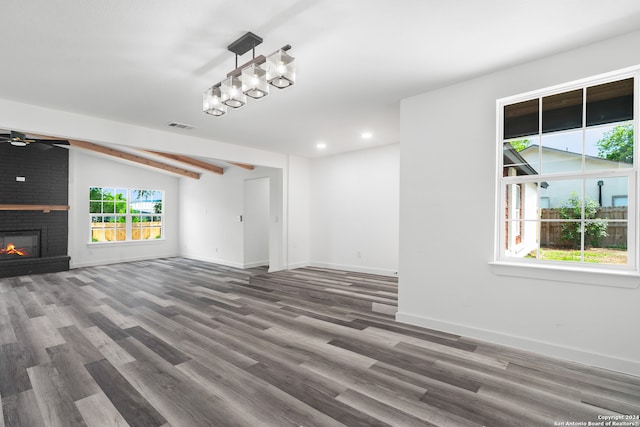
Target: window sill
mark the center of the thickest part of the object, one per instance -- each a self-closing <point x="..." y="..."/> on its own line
<point x="581" y="275"/>
<point x="125" y="243"/>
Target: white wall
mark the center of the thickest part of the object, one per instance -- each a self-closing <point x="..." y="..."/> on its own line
<point x="354" y="210"/>
<point x="447" y="205"/>
<point x="210" y="208"/>
<point x="92" y="171"/>
<point x="298" y="213"/>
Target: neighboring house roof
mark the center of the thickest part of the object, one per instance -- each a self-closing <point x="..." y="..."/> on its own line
<point x="534" y="147"/>
<point x="513" y="159"/>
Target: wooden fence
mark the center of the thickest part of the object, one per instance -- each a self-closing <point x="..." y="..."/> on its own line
<point x="551" y="232"/>
<point x="112" y="232"/>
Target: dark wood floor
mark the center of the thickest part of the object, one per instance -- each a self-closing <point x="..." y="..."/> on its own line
<point x="175" y="342"/>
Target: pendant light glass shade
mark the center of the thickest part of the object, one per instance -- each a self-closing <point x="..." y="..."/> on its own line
<point x="281" y="71"/>
<point x="232" y="95"/>
<point x="254" y="82"/>
<point x="212" y="102"/>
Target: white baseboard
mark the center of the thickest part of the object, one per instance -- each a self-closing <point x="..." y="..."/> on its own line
<point x="94" y="263"/>
<point x="255" y="264"/>
<point x="604" y="361"/>
<point x="355" y="268"/>
<point x="297" y="265"/>
<point x="215" y="261"/>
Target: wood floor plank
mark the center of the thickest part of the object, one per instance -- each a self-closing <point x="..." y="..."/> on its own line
<point x="6" y="330"/>
<point x="116" y="317"/>
<point x="107" y="326"/>
<point x="260" y="351"/>
<point x="386" y="413"/>
<point x="82" y="347"/>
<point x="158" y="346"/>
<point x="118" y="306"/>
<point x="319" y="398"/>
<point x="407" y="341"/>
<point x="55" y="403"/>
<point x="180" y="401"/>
<point x="31" y="306"/>
<point x="387" y="389"/>
<point x="21" y="410"/>
<point x="44" y="332"/>
<point x="363" y="380"/>
<point x="14" y="361"/>
<point x="98" y="411"/>
<point x="406" y="361"/>
<point x="78" y="316"/>
<point x="33" y="349"/>
<point x="115" y="354"/>
<point x="570" y="378"/>
<point x="163" y="302"/>
<point x="519" y="388"/>
<point x="134" y="408"/>
<point x="70" y="368"/>
<point x="260" y="400"/>
<point x="57" y="317"/>
<point x="199" y="347"/>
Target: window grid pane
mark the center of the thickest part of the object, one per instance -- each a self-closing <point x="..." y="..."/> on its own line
<point x="562" y="111"/>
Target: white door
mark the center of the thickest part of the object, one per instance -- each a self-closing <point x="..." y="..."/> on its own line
<point x="256" y="222"/>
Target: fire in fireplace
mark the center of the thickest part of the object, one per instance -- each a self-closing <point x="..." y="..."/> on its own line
<point x="12" y="250"/>
<point x="19" y="244"/>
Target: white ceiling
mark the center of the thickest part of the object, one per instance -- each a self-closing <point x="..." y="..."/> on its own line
<point x="147" y="62"/>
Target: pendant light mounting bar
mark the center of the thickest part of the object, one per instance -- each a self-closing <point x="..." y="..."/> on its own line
<point x="260" y="59"/>
<point x="245" y="43"/>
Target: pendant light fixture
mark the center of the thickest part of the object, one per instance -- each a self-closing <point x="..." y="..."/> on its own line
<point x="254" y="82"/>
<point x="232" y="95"/>
<point x="212" y="102"/>
<point x="281" y="71"/>
<point x="251" y="80"/>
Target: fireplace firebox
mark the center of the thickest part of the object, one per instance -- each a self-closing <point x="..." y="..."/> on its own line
<point x="19" y="244"/>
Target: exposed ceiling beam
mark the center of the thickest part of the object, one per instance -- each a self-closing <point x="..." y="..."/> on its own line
<point x="189" y="161"/>
<point x="149" y="162"/>
<point x="242" y="165"/>
<point x="132" y="158"/>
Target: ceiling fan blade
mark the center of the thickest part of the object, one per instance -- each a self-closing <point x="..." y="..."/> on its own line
<point x="52" y="141"/>
<point x="41" y="147"/>
<point x="20" y="139"/>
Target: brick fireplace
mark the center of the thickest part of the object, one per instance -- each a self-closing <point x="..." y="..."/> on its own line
<point x="33" y="209"/>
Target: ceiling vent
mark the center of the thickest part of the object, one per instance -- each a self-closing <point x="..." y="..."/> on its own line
<point x="180" y="126"/>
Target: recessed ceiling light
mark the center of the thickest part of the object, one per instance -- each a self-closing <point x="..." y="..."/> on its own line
<point x="366" y="135"/>
<point x="321" y="146"/>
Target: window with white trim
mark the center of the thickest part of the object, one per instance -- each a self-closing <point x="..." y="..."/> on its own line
<point x="120" y="214"/>
<point x="568" y="174"/>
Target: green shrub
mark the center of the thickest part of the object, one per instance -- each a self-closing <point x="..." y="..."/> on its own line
<point x="595" y="228"/>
